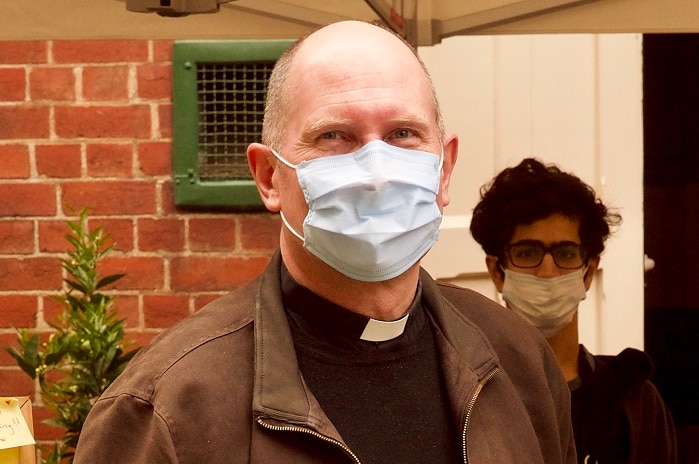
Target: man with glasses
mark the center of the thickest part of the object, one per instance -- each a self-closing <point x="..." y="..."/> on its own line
<point x="543" y="231"/>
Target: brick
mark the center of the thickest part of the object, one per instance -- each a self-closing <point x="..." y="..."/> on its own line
<point x="106" y="83"/>
<point x="162" y="50"/>
<point x="52" y="236"/>
<point x="202" y="300"/>
<point x="18" y="311"/>
<point x="12" y="84"/>
<point x="160" y="234"/>
<point x="167" y="198"/>
<point x="27" y="200"/>
<point x="132" y="121"/>
<point x="109" y="197"/>
<point x="154" y="81"/>
<point x="52" y="308"/>
<point x="120" y="231"/>
<point x="109" y="159"/>
<point x="30" y="274"/>
<point x="163" y="311"/>
<point x="24" y="122"/>
<point x="127" y="309"/>
<point x="16" y="237"/>
<point x="212" y="234"/>
<point x="260" y="232"/>
<point x="165" y="120"/>
<point x="51" y="83"/>
<point x="14" y="162"/>
<point x="16" y="382"/>
<point x="60" y="161"/>
<point x="42" y="430"/>
<point x="155" y="158"/>
<point x="142" y="273"/>
<point x="100" y="51"/>
<point x="23" y="52"/>
<point x="209" y="273"/>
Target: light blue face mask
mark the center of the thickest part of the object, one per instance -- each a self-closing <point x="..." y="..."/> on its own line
<point x="549" y="304"/>
<point x="373" y="213"/>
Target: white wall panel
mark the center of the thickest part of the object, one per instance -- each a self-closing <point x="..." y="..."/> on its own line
<point x="621" y="183"/>
<point x="462" y="71"/>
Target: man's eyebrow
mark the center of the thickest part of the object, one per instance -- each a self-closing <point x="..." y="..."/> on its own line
<point x="409" y="121"/>
<point x="323" y="124"/>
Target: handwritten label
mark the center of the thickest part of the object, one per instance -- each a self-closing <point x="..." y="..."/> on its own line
<point x="14" y="431"/>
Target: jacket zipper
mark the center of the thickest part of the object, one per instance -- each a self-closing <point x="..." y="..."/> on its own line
<point x="469" y="409"/>
<point x="291" y="428"/>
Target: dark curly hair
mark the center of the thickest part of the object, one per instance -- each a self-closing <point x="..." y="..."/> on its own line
<point x="532" y="191"/>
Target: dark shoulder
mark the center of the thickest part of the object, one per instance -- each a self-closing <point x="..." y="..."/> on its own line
<point x="630" y="367"/>
<point x="625" y="375"/>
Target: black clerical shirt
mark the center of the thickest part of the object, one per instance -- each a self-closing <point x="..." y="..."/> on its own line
<point x="387" y="399"/>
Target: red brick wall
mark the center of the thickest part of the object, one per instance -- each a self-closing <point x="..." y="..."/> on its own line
<point x="87" y="124"/>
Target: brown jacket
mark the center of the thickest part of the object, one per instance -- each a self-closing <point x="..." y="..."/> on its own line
<point x="223" y="386"/>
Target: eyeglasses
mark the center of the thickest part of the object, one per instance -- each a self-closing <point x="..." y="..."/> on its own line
<point x="530" y="253"/>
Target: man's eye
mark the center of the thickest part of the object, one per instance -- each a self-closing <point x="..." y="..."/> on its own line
<point x="329" y="135"/>
<point x="402" y="133"/>
<point x="523" y="252"/>
<point x="568" y="253"/>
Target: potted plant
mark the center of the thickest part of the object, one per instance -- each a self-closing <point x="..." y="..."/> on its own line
<point x="85" y="351"/>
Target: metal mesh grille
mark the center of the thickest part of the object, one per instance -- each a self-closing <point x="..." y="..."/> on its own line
<point x="231" y="100"/>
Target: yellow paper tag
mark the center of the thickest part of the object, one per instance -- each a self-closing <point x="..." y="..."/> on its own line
<point x="14" y="431"/>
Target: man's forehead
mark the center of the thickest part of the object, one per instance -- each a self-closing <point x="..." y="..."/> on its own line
<point x="350" y="42"/>
<point x="554" y="228"/>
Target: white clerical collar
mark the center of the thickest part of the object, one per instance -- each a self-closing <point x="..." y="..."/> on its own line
<point x="381" y="331"/>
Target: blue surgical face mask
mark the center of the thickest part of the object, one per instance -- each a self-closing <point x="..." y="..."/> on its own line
<point x="373" y="213"/>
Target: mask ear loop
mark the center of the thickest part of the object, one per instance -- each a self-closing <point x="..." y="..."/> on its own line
<point x="585" y="269"/>
<point x="501" y="270"/>
<point x="281" y="213"/>
<point x="279" y="157"/>
<point x="288" y="226"/>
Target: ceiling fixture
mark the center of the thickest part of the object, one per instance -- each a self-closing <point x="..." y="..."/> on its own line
<point x="174" y="8"/>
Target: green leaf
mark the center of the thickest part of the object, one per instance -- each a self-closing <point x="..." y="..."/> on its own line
<point x="108" y="280"/>
<point x="28" y="357"/>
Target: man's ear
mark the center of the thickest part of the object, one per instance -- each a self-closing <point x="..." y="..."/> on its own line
<point x="262" y="167"/>
<point x="497" y="275"/>
<point x="451" y="152"/>
<point x="592" y="265"/>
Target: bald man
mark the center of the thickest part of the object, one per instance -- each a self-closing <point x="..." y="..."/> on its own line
<point x="344" y="350"/>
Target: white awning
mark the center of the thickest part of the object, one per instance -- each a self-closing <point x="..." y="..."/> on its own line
<point x="422" y="22"/>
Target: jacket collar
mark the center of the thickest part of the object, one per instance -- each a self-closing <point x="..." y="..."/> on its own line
<point x="280" y="393"/>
